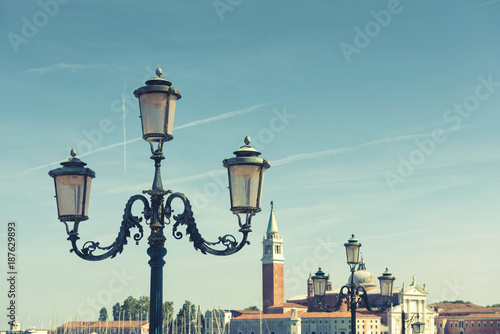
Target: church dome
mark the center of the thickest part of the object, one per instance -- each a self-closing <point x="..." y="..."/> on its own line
<point x="363" y="277"/>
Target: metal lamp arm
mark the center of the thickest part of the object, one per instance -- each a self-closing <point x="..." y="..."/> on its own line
<point x="408" y="322"/>
<point x="363" y="297"/>
<point x="129" y="221"/>
<point x="186" y="218"/>
<point x="343" y="297"/>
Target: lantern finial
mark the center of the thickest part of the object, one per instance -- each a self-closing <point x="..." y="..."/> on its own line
<point x="72" y="152"/>
<point x="159" y="71"/>
<point x="247" y="140"/>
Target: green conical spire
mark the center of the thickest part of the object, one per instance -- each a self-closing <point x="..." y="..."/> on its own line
<point x="272" y="227"/>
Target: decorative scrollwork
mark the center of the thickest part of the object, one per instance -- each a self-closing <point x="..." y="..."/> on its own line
<point x="186" y="218"/>
<point x="356" y="297"/>
<point x="129" y="221"/>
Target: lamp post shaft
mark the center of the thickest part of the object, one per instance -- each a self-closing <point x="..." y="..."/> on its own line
<point x="403" y="321"/>
<point x="156" y="252"/>
<point x="353" y="306"/>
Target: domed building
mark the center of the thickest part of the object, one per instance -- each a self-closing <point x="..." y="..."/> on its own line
<point x="363" y="277"/>
<point x="301" y="314"/>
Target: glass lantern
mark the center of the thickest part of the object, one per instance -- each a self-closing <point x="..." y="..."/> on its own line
<point x="386" y="283"/>
<point x="319" y="283"/>
<point x="157" y="101"/>
<point x="352" y="250"/>
<point x="246" y="177"/>
<point x="72" y="185"/>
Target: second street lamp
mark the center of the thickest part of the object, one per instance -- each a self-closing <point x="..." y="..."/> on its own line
<point x="352" y="293"/>
<point x="417" y="326"/>
<point x="72" y="185"/>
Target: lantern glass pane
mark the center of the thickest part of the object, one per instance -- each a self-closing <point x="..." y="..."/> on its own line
<point x="154" y="115"/>
<point x="386" y="287"/>
<point x="244" y="181"/>
<point x="418" y="327"/>
<point x="70" y="192"/>
<point x="319" y="286"/>
<point x="172" y="102"/>
<point x="352" y="253"/>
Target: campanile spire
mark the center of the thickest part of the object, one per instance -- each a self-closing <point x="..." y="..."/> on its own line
<point x="273" y="290"/>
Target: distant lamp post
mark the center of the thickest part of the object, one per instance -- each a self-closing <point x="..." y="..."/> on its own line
<point x="352" y="294"/>
<point x="72" y="185"/>
<point x="386" y="283"/>
<point x="319" y="283"/>
<point x="417" y="326"/>
<point x="352" y="251"/>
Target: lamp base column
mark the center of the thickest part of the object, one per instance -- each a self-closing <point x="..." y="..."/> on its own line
<point x="156" y="251"/>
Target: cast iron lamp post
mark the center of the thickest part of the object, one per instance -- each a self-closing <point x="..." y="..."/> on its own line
<point x="352" y="293"/>
<point x="72" y="184"/>
<point x="417" y="327"/>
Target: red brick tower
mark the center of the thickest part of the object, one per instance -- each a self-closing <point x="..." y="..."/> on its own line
<point x="273" y="284"/>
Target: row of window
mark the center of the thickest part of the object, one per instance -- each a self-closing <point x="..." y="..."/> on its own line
<point x="335" y="321"/>
<point x="461" y="324"/>
<point x="341" y="332"/>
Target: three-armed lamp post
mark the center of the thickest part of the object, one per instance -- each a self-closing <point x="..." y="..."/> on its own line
<point x="72" y="184"/>
<point x="352" y="293"/>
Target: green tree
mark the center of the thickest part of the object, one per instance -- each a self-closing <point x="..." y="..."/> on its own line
<point x="252" y="308"/>
<point x="168" y="311"/>
<point x="130" y="308"/>
<point x="103" y="314"/>
<point x="116" y="311"/>
<point x="494" y="305"/>
<point x="143" y="311"/>
<point x="456" y="302"/>
<point x="185" y="318"/>
<point x="168" y="316"/>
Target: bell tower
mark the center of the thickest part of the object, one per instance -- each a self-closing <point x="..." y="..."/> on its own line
<point x="273" y="262"/>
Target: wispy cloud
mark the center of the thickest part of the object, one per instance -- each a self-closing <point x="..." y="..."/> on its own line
<point x="222" y="116"/>
<point x="188" y="125"/>
<point x="322" y="154"/>
<point x="297" y="157"/>
<point x="487" y="3"/>
<point x="385" y="236"/>
<point x="57" y="67"/>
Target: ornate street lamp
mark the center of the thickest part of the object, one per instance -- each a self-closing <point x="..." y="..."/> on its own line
<point x="417" y="327"/>
<point x="319" y="283"/>
<point x="157" y="101"/>
<point x="386" y="283"/>
<point x="246" y="176"/>
<point x="351" y="293"/>
<point x="352" y="250"/>
<point x="72" y="184"/>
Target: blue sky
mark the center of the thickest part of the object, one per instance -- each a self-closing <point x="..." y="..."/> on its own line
<point x="379" y="118"/>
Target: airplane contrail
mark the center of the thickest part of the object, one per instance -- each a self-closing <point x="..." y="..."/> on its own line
<point x="302" y="156"/>
<point x="188" y="125"/>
